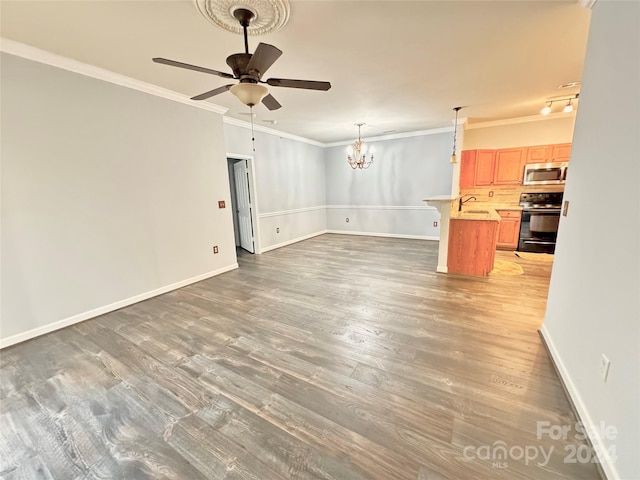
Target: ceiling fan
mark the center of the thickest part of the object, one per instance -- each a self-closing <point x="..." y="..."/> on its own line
<point x="248" y="69"/>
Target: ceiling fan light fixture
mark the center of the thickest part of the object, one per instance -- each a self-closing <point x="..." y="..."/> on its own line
<point x="250" y="94"/>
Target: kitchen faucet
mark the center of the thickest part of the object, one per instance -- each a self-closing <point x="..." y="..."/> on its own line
<point x="462" y="202"/>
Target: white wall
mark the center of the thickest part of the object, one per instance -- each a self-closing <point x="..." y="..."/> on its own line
<point x="387" y="198"/>
<point x="524" y="134"/>
<point x="290" y="185"/>
<point x="594" y="296"/>
<point x="107" y="194"/>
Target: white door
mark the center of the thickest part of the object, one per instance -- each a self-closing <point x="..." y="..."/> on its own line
<point x="243" y="199"/>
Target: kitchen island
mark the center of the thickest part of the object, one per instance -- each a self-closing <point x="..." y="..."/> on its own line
<point x="472" y="241"/>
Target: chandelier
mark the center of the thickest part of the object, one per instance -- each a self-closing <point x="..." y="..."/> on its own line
<point x="357" y="154"/>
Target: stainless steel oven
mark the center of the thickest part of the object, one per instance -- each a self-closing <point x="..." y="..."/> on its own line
<point x="540" y="219"/>
<point x="554" y="173"/>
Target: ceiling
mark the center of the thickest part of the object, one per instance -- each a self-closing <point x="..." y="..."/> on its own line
<point x="396" y="66"/>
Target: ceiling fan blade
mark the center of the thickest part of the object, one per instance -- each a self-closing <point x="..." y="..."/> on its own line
<point x="173" y="63"/>
<point x="271" y="103"/>
<point x="211" y="93"/>
<point x="306" y="84"/>
<point x="264" y="56"/>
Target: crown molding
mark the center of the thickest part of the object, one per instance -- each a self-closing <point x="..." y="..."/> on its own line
<point x="587" y="3"/>
<point x="393" y="136"/>
<point x="513" y="121"/>
<point x="42" y="56"/>
<point x="270" y="131"/>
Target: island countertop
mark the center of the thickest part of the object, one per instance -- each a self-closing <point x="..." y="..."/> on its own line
<point x="478" y="214"/>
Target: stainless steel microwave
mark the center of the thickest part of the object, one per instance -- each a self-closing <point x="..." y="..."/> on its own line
<point x="545" y="173"/>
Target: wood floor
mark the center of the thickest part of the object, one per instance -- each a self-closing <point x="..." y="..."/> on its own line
<point x="338" y="357"/>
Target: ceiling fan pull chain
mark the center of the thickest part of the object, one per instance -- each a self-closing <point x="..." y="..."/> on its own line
<point x="253" y="137"/>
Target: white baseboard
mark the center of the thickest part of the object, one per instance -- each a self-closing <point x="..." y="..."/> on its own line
<point x="387" y="235"/>
<point x="292" y="241"/>
<point x="440" y="269"/>
<point x="50" y="327"/>
<point x="606" y="463"/>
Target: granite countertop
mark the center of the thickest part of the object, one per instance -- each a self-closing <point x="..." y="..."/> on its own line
<point x="491" y="205"/>
<point x="476" y="213"/>
<point x="440" y="198"/>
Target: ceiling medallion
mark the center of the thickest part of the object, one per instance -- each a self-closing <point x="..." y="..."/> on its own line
<point x="270" y="15"/>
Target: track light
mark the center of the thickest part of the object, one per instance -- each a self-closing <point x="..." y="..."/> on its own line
<point x="546" y="110"/>
<point x="568" y="108"/>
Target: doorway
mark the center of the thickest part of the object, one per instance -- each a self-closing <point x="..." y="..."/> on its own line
<point x="243" y="202"/>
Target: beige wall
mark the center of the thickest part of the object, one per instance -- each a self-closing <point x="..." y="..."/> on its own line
<point x="538" y="132"/>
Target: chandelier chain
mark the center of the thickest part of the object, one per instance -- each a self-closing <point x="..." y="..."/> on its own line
<point x="455" y="130"/>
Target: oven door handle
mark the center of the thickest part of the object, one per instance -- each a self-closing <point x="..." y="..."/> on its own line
<point x="539" y="243"/>
<point x="542" y="210"/>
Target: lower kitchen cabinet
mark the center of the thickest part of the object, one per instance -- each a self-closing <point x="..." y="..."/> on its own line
<point x="509" y="230"/>
<point x="472" y="246"/>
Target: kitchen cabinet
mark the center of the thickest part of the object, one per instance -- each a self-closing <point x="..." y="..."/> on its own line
<point x="509" y="166"/>
<point x="540" y="154"/>
<point x="485" y="167"/>
<point x="499" y="167"/>
<point x="468" y="168"/>
<point x="559" y="152"/>
<point x="509" y="229"/>
<point x="472" y="246"/>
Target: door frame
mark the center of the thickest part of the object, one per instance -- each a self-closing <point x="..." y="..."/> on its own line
<point x="253" y="195"/>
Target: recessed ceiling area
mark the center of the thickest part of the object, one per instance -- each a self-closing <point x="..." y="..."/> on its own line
<point x="394" y="65"/>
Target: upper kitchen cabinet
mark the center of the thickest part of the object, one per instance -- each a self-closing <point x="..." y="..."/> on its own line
<point x="509" y="166"/>
<point x="561" y="152"/>
<point x="540" y="154"/>
<point x="468" y="168"/>
<point x="549" y="153"/>
<point x="481" y="168"/>
<point x="485" y="167"/>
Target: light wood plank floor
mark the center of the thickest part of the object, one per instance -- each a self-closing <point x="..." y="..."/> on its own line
<point x="334" y="358"/>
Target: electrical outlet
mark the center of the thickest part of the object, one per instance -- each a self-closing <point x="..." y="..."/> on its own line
<point x="435" y="224"/>
<point x="347" y="220"/>
<point x="277" y="229"/>
<point x="215" y="249"/>
<point x="604" y="367"/>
